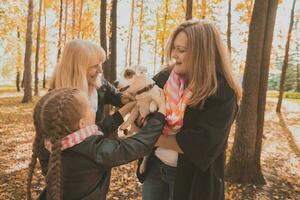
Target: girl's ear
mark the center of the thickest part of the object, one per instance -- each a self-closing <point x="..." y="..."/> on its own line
<point x="82" y="123"/>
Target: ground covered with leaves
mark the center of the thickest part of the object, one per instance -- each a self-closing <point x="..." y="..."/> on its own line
<point x="280" y="160"/>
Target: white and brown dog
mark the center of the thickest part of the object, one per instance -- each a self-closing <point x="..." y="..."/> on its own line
<point x="137" y="84"/>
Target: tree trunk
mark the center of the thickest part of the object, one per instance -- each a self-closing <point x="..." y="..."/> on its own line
<point x="156" y="39"/>
<point x="45" y="47"/>
<point x="103" y="37"/>
<point x="59" y="30"/>
<point x="189" y="9"/>
<point x="36" y="73"/>
<point x="113" y="43"/>
<point x="298" y="78"/>
<point x="19" y="61"/>
<point x="27" y="60"/>
<point x="264" y="74"/>
<point x="164" y="31"/>
<point x="203" y="9"/>
<point x="131" y="32"/>
<point x="229" y="26"/>
<point x="73" y="19"/>
<point x="244" y="163"/>
<point x="286" y="60"/>
<point x="66" y="20"/>
<point x="80" y="17"/>
<point x="140" y="32"/>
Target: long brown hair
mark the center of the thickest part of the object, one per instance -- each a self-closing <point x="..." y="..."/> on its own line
<point x="207" y="55"/>
<point x="56" y="115"/>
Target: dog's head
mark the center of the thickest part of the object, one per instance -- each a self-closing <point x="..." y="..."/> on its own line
<point x="133" y="81"/>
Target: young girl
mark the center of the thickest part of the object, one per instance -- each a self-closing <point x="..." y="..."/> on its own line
<point x="80" y="156"/>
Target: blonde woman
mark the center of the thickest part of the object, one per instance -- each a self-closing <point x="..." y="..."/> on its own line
<point x="81" y="67"/>
<point x="201" y="104"/>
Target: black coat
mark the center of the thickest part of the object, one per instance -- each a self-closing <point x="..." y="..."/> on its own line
<point x="107" y="94"/>
<point x="203" y="139"/>
<point x="86" y="166"/>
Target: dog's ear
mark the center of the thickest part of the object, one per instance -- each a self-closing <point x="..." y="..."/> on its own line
<point x="128" y="73"/>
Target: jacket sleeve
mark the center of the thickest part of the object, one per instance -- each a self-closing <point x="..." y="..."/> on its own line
<point x="110" y="123"/>
<point x="207" y="138"/>
<point x="108" y="152"/>
<point x="111" y="95"/>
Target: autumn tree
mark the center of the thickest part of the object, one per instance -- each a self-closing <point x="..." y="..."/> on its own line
<point x="229" y="26"/>
<point x="103" y="35"/>
<point x="60" y="30"/>
<point x="244" y="163"/>
<point x="164" y="27"/>
<point x="141" y="29"/>
<point x="189" y="9"/>
<point x="113" y="43"/>
<point x="73" y="18"/>
<point x="80" y="19"/>
<point x="36" y="72"/>
<point x="286" y="59"/>
<point x="66" y="21"/>
<point x="27" y="60"/>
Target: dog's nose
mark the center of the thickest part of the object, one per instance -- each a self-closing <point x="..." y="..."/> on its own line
<point x="116" y="83"/>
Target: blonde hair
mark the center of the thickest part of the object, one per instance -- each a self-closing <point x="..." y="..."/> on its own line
<point x="56" y="115"/>
<point x="71" y="71"/>
<point x="207" y="55"/>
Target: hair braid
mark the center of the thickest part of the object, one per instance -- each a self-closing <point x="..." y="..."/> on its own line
<point x="58" y="130"/>
<point x="37" y="144"/>
<point x="51" y="122"/>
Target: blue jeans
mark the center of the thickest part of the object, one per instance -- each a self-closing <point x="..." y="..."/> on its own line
<point x="159" y="182"/>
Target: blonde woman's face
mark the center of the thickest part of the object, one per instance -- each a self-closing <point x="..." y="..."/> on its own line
<point x="94" y="75"/>
<point x="179" y="53"/>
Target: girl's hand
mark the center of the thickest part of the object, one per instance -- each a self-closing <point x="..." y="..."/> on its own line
<point x="126" y="98"/>
<point x="127" y="108"/>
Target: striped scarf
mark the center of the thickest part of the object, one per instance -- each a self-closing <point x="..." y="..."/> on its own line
<point x="177" y="99"/>
<point x="75" y="137"/>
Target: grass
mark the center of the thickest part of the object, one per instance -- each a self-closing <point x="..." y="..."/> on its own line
<point x="6" y="89"/>
<point x="297" y="101"/>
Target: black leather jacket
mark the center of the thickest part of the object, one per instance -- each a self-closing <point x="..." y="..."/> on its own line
<point x="107" y="94"/>
<point x="86" y="166"/>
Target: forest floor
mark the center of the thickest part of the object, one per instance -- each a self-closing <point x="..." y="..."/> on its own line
<point x="280" y="158"/>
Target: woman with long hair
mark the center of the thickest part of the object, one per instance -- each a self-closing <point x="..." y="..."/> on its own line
<point x="201" y="104"/>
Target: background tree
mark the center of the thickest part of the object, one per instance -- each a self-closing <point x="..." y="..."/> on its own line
<point x="189" y="9"/>
<point x="229" y="26"/>
<point x="141" y="24"/>
<point x="27" y="60"/>
<point x="19" y="61"/>
<point x="103" y="35"/>
<point x="286" y="59"/>
<point x="37" y="51"/>
<point x="73" y="18"/>
<point x="244" y="164"/>
<point x="80" y="19"/>
<point x="66" y="21"/>
<point x="113" y="43"/>
<point x="60" y="30"/>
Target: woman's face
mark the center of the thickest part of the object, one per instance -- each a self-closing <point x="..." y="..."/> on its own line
<point x="94" y="75"/>
<point x="179" y="53"/>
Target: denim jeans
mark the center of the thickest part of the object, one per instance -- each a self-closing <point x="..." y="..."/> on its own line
<point x="159" y="182"/>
